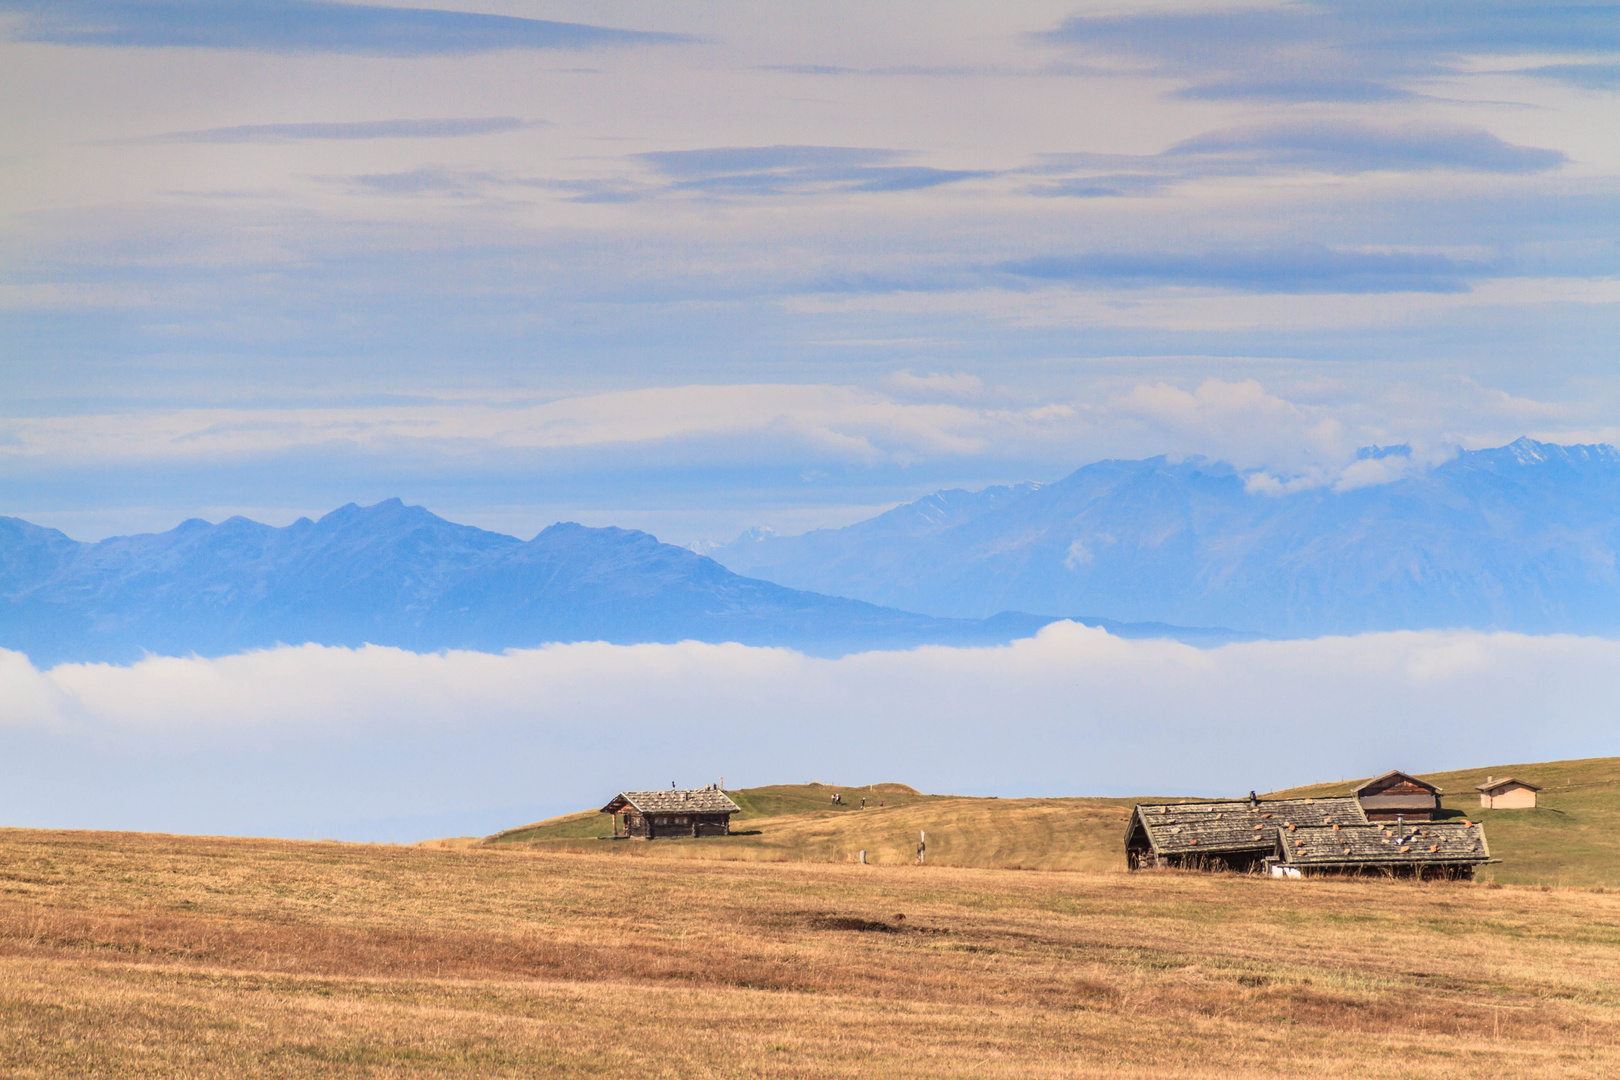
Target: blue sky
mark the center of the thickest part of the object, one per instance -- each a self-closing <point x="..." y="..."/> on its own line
<point x="693" y="267"/>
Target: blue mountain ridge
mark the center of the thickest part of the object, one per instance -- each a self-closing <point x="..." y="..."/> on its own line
<point x="392" y="574"/>
<point x="1522" y="537"/>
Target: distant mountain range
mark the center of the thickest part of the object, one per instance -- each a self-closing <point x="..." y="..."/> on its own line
<point x="393" y="574"/>
<point x="1523" y="537"/>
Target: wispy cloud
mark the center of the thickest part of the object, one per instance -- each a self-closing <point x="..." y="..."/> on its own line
<point x="1335" y="50"/>
<point x="436" y="128"/>
<point x="837" y="421"/>
<point x="1301" y="269"/>
<point x="907" y="421"/>
<point x="1349" y="148"/>
<point x="1598" y="76"/>
<point x="303" y="26"/>
<point x="779" y="170"/>
<point x="425" y="181"/>
<point x="1324" y="146"/>
<point x="717" y="173"/>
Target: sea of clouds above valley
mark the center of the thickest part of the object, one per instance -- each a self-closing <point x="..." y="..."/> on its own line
<point x="379" y="743"/>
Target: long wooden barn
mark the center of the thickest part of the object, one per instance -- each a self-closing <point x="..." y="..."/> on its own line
<point x="648" y="815"/>
<point x="1298" y="837"/>
<point x="1225" y="834"/>
<point x="1429" y="849"/>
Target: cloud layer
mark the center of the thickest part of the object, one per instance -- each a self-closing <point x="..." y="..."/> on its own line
<point x="378" y="743"/>
<point x="445" y="128"/>
<point x="304" y="26"/>
<point x="1338" y="50"/>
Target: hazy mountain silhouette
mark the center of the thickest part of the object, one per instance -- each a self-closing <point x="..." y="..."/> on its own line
<point x="1522" y="537"/>
<point x="393" y="574"/>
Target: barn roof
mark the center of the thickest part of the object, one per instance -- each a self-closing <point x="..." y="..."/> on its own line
<point x="1233" y="825"/>
<point x="1391" y="775"/>
<point x="1506" y="781"/>
<point x="700" y="801"/>
<point x="1431" y="843"/>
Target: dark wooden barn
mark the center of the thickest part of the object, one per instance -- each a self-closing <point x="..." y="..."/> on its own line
<point x="652" y="814"/>
<point x="1228" y="834"/>
<point x="1424" y="850"/>
<point x="1300" y="838"/>
<point x="1398" y="796"/>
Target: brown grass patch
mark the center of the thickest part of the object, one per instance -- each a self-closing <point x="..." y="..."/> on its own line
<point x="124" y="955"/>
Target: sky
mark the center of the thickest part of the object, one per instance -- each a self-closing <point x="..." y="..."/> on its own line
<point x="694" y="267"/>
<point x="697" y="266"/>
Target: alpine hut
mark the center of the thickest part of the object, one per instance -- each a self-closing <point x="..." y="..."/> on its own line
<point x="1299" y="838"/>
<point x="1446" y="850"/>
<point x="1398" y="796"/>
<point x="1225" y="834"/>
<point x="1506" y="794"/>
<point x="649" y="815"/>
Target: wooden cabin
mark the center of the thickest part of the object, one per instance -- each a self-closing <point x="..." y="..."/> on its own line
<point x="1225" y="834"/>
<point x="1299" y="838"/>
<point x="1506" y="794"/>
<point x="1432" y="850"/>
<point x="648" y="815"/>
<point x="1398" y="796"/>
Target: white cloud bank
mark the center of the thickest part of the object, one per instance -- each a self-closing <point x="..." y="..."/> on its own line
<point x="1285" y="442"/>
<point x="380" y="743"/>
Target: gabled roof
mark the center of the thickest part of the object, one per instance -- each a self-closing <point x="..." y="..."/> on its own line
<point x="1234" y="825"/>
<point x="1429" y="843"/>
<point x="1506" y="781"/>
<point x="701" y="801"/>
<point x="1392" y="774"/>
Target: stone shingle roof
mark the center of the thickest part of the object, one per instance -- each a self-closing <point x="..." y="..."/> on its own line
<point x="672" y="801"/>
<point x="1425" y="843"/>
<point x="1236" y="824"/>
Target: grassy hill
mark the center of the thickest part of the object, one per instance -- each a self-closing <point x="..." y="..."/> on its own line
<point x="147" y="957"/>
<point x="800" y="822"/>
<point x="1571" y="838"/>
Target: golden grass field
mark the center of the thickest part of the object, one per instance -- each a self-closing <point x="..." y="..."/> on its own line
<point x="132" y="955"/>
<point x="143" y="955"/>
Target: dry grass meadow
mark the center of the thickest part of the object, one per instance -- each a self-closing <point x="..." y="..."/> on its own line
<point x="140" y="955"/>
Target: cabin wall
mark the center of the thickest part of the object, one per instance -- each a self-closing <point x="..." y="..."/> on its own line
<point x="1418" y="870"/>
<point x="714" y="825"/>
<point x="1387" y="806"/>
<point x="1424" y="813"/>
<point x="1235" y="862"/>
<point x="1512" y="799"/>
<point x="1398" y="797"/>
<point x="665" y="826"/>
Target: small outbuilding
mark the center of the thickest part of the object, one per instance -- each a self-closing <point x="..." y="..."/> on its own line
<point x="1435" y="850"/>
<point x="648" y="815"/>
<point x="1506" y="794"/>
<point x="1398" y="796"/>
